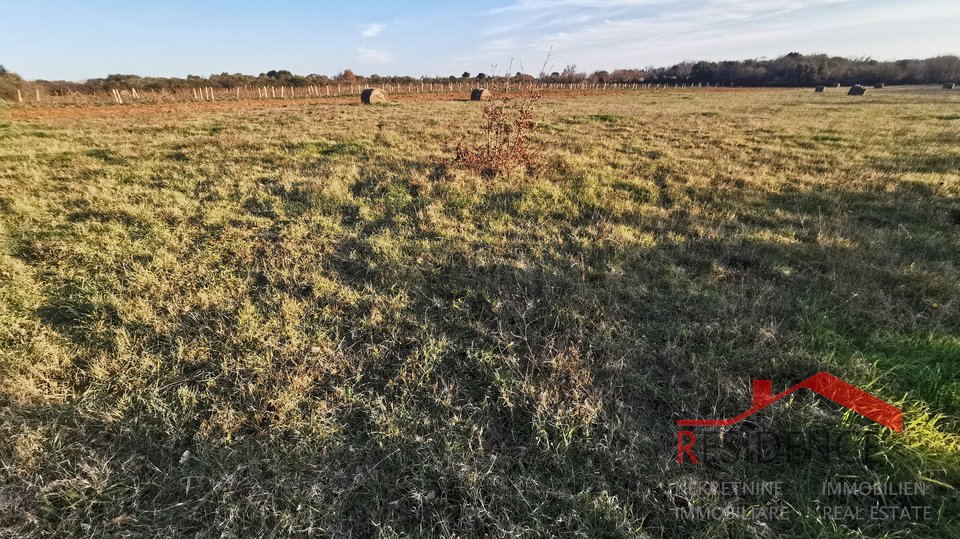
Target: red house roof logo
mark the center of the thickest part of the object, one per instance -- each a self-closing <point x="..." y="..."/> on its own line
<point x="822" y="383"/>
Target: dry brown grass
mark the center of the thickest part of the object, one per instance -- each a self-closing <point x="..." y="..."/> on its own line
<point x="300" y="320"/>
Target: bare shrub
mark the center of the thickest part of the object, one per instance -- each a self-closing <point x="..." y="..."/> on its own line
<point x="507" y="124"/>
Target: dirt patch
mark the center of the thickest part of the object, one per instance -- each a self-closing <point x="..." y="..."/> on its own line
<point x="118" y="111"/>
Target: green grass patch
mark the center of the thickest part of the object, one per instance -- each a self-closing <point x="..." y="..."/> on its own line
<point x="606" y="118"/>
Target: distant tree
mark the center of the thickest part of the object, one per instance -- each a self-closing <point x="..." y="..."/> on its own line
<point x="4" y="70"/>
<point x="226" y="80"/>
<point x="481" y="77"/>
<point x="285" y="77"/>
<point x="121" y="82"/>
<point x="466" y="74"/>
<point x="627" y="75"/>
<point x="702" y="71"/>
<point x="942" y="69"/>
<point x="680" y="71"/>
<point x="599" y="77"/>
<point x="346" y="76"/>
<point x="9" y="84"/>
<point x="807" y="73"/>
<point x="570" y="74"/>
<point x="320" y="80"/>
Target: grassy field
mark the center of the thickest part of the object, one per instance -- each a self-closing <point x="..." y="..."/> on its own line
<point x="305" y="321"/>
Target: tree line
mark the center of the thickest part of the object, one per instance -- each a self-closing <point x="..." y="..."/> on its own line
<point x="796" y="69"/>
<point x="793" y="69"/>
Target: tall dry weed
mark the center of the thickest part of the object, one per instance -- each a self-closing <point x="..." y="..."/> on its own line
<point x="506" y="127"/>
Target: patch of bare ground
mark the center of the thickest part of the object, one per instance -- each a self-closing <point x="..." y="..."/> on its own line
<point x="117" y="111"/>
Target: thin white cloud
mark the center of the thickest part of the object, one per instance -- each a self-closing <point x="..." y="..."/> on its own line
<point x="541" y="5"/>
<point x="374" y="56"/>
<point x="573" y="15"/>
<point x="560" y="5"/>
<point x="370" y="30"/>
<point x="716" y="22"/>
<point x="634" y="33"/>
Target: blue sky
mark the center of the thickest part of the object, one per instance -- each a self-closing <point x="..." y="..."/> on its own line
<point x="82" y="39"/>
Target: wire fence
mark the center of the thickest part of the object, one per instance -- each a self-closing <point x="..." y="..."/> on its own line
<point x="182" y="95"/>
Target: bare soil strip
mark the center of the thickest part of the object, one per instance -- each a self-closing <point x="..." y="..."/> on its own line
<point x="112" y="111"/>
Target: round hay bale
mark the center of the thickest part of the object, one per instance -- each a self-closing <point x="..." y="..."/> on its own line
<point x="819" y="89"/>
<point x="373" y="95"/>
<point x="878" y="85"/>
<point x="480" y="94"/>
<point x="948" y="86"/>
<point x="856" y="89"/>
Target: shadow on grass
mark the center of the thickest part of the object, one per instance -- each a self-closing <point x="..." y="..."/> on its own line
<point x="479" y="382"/>
<point x="107" y="156"/>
